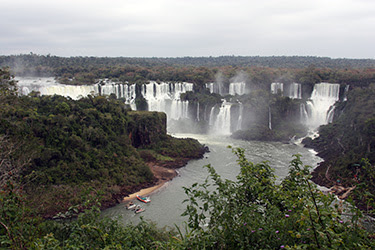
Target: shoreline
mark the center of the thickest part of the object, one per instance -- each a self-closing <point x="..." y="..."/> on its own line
<point x="162" y="174"/>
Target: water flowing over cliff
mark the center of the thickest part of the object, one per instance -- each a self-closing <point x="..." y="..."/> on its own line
<point x="319" y="108"/>
<point x="223" y="118"/>
<point x="165" y="97"/>
<point x="293" y="90"/>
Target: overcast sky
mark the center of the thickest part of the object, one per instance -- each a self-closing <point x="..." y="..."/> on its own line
<point x="176" y="28"/>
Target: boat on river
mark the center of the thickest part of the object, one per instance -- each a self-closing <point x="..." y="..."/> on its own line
<point x="139" y="210"/>
<point x="143" y="199"/>
<point x="131" y="206"/>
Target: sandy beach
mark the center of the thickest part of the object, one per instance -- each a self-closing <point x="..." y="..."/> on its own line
<point x="163" y="175"/>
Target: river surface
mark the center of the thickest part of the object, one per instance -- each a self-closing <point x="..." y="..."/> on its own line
<point x="167" y="205"/>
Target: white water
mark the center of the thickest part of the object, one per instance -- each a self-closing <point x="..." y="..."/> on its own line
<point x="237" y="88"/>
<point x="269" y="118"/>
<point x="165" y="97"/>
<point x="216" y="87"/>
<point x="49" y="86"/>
<point x="240" y="114"/>
<point x="295" y="91"/>
<point x="221" y="123"/>
<point x="323" y="97"/>
<point x="276" y="87"/>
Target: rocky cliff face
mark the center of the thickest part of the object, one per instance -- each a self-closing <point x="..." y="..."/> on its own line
<point x="147" y="127"/>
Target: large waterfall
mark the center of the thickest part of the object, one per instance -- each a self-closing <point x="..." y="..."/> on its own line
<point x="165" y="97"/>
<point x="318" y="108"/>
<point x="49" y="86"/>
<point x="221" y="122"/>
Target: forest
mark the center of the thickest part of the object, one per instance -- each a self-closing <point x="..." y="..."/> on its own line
<point x="56" y="147"/>
<point x="53" y="146"/>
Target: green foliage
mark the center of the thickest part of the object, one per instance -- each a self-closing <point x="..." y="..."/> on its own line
<point x="254" y="212"/>
<point x="343" y="143"/>
<point x="17" y="227"/>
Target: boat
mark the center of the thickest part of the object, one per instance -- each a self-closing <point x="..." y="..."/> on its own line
<point x="131" y="206"/>
<point x="139" y="210"/>
<point x="143" y="199"/>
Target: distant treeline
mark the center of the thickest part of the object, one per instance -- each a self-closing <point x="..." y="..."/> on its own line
<point x="235" y="61"/>
<point x="198" y="70"/>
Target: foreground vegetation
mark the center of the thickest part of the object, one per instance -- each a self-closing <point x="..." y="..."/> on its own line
<point x="347" y="146"/>
<point x="253" y="212"/>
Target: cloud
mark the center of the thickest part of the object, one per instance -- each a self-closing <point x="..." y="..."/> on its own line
<point x="336" y="28"/>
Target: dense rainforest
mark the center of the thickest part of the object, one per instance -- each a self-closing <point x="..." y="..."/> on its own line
<point x="60" y="149"/>
<point x="75" y="147"/>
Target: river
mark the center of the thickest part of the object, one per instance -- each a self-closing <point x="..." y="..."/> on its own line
<point x="167" y="205"/>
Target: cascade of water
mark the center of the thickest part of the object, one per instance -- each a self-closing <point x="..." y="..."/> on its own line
<point x="216" y="87"/>
<point x="276" y="87"/>
<point x="303" y="112"/>
<point x="212" y="118"/>
<point x="198" y="111"/>
<point x="210" y="86"/>
<point x="269" y="118"/>
<point x="346" y="93"/>
<point x="240" y="113"/>
<point x="222" y="121"/>
<point x="49" y="86"/>
<point x="322" y="98"/>
<point x="295" y="91"/>
<point x="165" y="97"/>
<point x="237" y="88"/>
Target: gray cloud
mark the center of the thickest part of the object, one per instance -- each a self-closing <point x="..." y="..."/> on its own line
<point x="335" y="28"/>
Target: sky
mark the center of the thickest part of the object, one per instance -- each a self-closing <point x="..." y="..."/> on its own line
<point x="178" y="28"/>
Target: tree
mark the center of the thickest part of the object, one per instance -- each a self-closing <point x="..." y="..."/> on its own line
<point x="7" y="83"/>
<point x="254" y="212"/>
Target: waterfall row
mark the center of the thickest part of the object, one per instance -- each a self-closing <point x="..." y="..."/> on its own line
<point x="223" y="118"/>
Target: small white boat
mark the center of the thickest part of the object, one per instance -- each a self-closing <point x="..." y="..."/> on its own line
<point x="131" y="206"/>
<point x="139" y="210"/>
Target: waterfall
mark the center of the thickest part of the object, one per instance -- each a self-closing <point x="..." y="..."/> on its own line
<point x="198" y="111"/>
<point x="221" y="123"/>
<point x="303" y="112"/>
<point x="212" y="118"/>
<point x="216" y="87"/>
<point x="269" y="118"/>
<point x="318" y="108"/>
<point x="240" y="113"/>
<point x="49" y="86"/>
<point x="346" y="93"/>
<point x="210" y="86"/>
<point x="276" y="87"/>
<point x="165" y="97"/>
<point x="295" y="91"/>
<point x="237" y="88"/>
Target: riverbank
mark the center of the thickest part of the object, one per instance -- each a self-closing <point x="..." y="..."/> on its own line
<point x="162" y="175"/>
